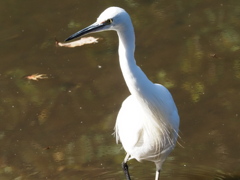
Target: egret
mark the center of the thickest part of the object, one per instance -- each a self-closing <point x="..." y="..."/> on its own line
<point x="148" y="121"/>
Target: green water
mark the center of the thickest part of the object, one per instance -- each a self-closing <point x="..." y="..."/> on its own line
<point x="61" y="127"/>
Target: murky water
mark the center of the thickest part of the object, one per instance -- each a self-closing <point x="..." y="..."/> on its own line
<point x="61" y="127"/>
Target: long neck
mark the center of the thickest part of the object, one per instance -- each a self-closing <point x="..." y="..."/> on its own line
<point x="135" y="78"/>
<point x="145" y="92"/>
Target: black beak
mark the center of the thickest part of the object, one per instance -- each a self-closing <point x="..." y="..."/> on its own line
<point x="90" y="29"/>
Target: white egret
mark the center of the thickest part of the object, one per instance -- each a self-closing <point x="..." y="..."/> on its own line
<point x="147" y="123"/>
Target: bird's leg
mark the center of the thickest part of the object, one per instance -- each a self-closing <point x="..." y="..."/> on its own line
<point x="157" y="177"/>
<point x="125" y="167"/>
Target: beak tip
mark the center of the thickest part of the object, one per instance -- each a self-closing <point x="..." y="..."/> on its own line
<point x="68" y="39"/>
<point x="90" y="29"/>
<point x="73" y="36"/>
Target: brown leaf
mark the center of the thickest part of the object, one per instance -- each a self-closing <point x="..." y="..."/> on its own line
<point x="37" y="76"/>
<point x="80" y="42"/>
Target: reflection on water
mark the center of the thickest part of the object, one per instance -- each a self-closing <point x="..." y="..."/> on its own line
<point x="61" y="127"/>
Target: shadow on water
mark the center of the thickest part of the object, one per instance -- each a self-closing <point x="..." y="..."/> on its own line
<point x="229" y="178"/>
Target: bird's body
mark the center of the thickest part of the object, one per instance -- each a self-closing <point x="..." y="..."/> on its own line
<point x="141" y="134"/>
<point x="147" y="123"/>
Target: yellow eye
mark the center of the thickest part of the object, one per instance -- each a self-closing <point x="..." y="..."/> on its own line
<point x="109" y="21"/>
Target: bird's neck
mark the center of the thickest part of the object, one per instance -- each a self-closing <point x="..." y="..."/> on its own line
<point x="137" y="82"/>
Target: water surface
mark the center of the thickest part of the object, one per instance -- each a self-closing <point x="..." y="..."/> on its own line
<point x="61" y="127"/>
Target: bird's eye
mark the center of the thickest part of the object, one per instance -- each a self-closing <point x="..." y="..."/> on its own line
<point x="109" y="21"/>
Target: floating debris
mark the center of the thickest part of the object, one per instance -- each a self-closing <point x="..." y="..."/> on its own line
<point x="213" y="55"/>
<point x="36" y="77"/>
<point x="80" y="42"/>
<point x="47" y="148"/>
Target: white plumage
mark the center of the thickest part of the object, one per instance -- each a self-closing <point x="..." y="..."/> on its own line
<point x="147" y="123"/>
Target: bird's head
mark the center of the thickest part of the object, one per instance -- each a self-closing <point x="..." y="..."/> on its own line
<point x="113" y="18"/>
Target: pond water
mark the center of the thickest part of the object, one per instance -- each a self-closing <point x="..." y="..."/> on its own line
<point x="61" y="127"/>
